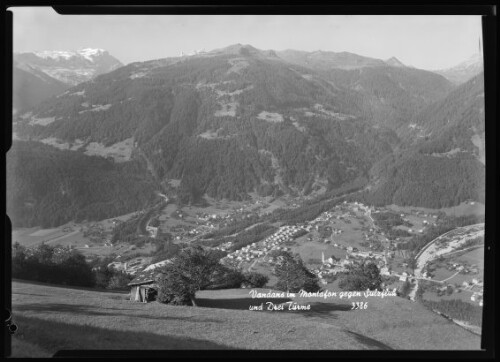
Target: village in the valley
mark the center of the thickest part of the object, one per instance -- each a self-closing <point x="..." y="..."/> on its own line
<point x="347" y="234"/>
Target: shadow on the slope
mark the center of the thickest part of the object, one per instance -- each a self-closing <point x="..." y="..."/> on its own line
<point x="55" y="335"/>
<point x="317" y="309"/>
<point x="36" y="295"/>
<point x="86" y="310"/>
<point x="370" y="342"/>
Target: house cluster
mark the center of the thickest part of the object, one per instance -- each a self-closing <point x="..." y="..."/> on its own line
<point x="358" y="257"/>
<point x="225" y="246"/>
<point x="260" y="249"/>
<point x="211" y="217"/>
<point x="152" y="231"/>
<point x="116" y="222"/>
<point x="462" y="268"/>
<point x="201" y="229"/>
<point x="95" y="233"/>
<point x="334" y="265"/>
<point x="403" y="277"/>
<point x="477" y="297"/>
<point x="130" y="267"/>
<point x="331" y="266"/>
<point x="477" y="287"/>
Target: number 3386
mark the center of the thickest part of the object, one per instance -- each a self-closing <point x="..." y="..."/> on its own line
<point x="359" y="305"/>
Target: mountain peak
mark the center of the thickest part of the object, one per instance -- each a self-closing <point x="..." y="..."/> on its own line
<point x="89" y="53"/>
<point x="465" y="70"/>
<point x="394" y="62"/>
<point x="69" y="66"/>
<point x="242" y="49"/>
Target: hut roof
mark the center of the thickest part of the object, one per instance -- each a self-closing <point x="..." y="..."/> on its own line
<point x="145" y="277"/>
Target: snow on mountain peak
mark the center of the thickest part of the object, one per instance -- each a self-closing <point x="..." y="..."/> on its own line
<point x="55" y="54"/>
<point x="88" y="53"/>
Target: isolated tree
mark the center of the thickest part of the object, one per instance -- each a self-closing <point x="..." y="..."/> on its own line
<point x="193" y="269"/>
<point x="362" y="277"/>
<point x="293" y="275"/>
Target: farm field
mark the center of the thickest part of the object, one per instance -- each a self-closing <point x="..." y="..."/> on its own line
<point x="52" y="318"/>
<point x="464" y="208"/>
<point x="64" y="234"/>
<point x="474" y="256"/>
<point x="71" y="234"/>
<point x="463" y="295"/>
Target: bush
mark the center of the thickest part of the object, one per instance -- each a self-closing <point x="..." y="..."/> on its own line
<point x="119" y="281"/>
<point x="254" y="280"/>
<point x="173" y="291"/>
<point x="227" y="278"/>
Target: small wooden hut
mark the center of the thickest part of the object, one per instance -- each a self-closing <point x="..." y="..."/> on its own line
<point x="144" y="287"/>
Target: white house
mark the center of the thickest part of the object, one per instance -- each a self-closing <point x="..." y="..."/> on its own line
<point x="385" y="271"/>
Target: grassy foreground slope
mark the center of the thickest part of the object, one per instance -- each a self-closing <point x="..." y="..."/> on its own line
<point x="53" y="318"/>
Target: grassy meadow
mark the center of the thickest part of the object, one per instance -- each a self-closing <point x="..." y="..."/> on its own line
<point x="52" y="318"/>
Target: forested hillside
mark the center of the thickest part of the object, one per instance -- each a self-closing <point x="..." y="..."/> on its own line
<point x="454" y="122"/>
<point x="392" y="96"/>
<point x="225" y="124"/>
<point x="238" y="120"/>
<point x="50" y="187"/>
<point x="442" y="163"/>
<point x="30" y="88"/>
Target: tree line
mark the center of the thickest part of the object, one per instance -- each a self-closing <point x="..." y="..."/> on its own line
<point x="63" y="265"/>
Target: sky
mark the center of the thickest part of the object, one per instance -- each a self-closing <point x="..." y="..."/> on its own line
<point x="422" y="41"/>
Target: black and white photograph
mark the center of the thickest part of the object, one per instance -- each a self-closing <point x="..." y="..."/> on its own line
<point x="246" y="182"/>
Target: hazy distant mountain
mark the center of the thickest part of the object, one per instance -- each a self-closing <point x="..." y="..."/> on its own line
<point x="321" y="60"/>
<point x="394" y="62"/>
<point x="70" y="67"/>
<point x="31" y="86"/>
<point x="464" y="71"/>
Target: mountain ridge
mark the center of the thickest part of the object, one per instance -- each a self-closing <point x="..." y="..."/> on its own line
<point x="70" y="67"/>
<point x="241" y="120"/>
<point x="463" y="71"/>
